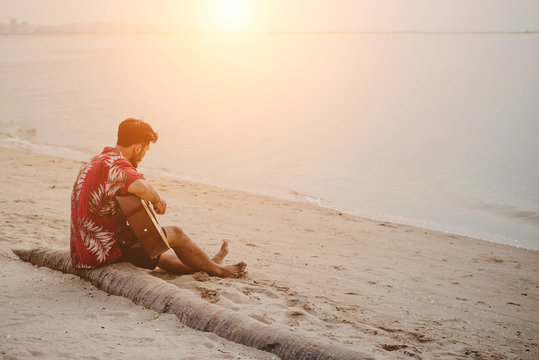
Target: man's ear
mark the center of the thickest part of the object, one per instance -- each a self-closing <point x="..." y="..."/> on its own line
<point x="138" y="148"/>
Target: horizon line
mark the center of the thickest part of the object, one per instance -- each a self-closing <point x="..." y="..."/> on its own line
<point x="280" y="32"/>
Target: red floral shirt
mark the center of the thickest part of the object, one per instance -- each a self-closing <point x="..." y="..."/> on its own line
<point x="97" y="223"/>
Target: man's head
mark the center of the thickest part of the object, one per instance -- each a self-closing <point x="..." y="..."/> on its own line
<point x="134" y="137"/>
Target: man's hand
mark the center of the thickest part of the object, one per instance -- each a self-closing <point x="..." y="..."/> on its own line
<point x="160" y="206"/>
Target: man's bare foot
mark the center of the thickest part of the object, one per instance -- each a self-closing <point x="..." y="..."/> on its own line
<point x="219" y="257"/>
<point x="233" y="271"/>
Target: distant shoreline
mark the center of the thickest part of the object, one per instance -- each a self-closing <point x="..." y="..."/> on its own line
<point x="52" y="33"/>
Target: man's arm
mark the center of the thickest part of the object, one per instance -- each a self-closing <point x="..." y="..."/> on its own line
<point x="145" y="191"/>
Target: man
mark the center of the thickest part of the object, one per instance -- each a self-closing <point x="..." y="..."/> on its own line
<point x="99" y="233"/>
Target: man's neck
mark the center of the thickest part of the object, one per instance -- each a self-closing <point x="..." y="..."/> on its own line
<point x="122" y="151"/>
<point x="127" y="153"/>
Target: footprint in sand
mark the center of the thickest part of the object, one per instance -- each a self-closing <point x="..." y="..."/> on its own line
<point x="271" y="294"/>
<point x="296" y="314"/>
<point x="37" y="353"/>
<point x="292" y="302"/>
<point x="209" y="345"/>
<point x="393" y="347"/>
<point x="236" y="296"/>
<point x="209" y="295"/>
<point x="116" y="314"/>
<point x="261" y="318"/>
<point x="201" y="276"/>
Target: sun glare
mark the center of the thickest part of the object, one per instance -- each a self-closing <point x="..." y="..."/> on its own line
<point x="230" y="15"/>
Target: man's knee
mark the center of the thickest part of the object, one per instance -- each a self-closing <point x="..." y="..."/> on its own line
<point x="175" y="235"/>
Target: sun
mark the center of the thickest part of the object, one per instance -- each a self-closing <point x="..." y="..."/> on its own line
<point x="230" y="14"/>
<point x="230" y="10"/>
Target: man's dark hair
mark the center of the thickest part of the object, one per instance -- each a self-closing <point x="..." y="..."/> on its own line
<point x="133" y="131"/>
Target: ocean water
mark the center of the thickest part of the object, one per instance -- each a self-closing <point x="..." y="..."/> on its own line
<point x="434" y="130"/>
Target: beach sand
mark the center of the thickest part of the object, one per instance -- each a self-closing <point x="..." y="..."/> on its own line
<point x="390" y="290"/>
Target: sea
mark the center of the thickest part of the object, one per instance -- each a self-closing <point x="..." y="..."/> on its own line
<point x="437" y="130"/>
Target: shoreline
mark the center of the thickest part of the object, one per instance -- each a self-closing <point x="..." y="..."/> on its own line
<point x="393" y="291"/>
<point x="292" y="195"/>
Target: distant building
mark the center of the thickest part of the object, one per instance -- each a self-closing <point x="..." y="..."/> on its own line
<point x="13" y="26"/>
<point x="24" y="28"/>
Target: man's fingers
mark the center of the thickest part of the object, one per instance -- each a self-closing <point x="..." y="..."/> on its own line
<point x="162" y="207"/>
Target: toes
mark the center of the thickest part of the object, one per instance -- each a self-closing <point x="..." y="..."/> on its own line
<point x="241" y="273"/>
<point x="241" y="265"/>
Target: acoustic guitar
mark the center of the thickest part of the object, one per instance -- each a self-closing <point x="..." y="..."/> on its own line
<point x="142" y="219"/>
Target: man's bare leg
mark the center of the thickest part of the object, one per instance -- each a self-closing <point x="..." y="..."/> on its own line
<point x="170" y="262"/>
<point x="194" y="259"/>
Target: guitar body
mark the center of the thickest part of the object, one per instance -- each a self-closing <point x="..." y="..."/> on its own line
<point x="142" y="220"/>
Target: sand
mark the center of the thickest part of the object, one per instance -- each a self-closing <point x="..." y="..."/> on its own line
<point x="394" y="291"/>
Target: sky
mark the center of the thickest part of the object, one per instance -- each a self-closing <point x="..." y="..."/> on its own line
<point x="285" y="15"/>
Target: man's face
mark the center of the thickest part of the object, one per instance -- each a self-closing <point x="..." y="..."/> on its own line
<point x="138" y="154"/>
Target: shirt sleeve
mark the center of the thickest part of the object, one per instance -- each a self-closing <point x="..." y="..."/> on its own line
<point x="129" y="175"/>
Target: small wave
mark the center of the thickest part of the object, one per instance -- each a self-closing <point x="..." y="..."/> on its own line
<point x="511" y="211"/>
<point x="169" y="174"/>
<point x="14" y="142"/>
<point x="13" y="129"/>
<point x="310" y="199"/>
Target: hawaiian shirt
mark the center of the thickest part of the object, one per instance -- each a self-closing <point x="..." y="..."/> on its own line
<point x="97" y="224"/>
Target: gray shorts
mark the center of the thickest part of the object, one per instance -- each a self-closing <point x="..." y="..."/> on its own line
<point x="134" y="253"/>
